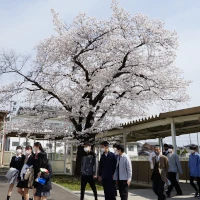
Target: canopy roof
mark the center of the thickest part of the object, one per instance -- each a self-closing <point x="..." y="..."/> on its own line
<point x="186" y="121"/>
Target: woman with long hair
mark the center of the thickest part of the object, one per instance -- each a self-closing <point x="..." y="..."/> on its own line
<point x="17" y="163"/>
<point x="37" y="148"/>
<point x="22" y="185"/>
<point x="43" y="189"/>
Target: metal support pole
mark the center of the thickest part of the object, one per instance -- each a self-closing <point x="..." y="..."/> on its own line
<point x="19" y="140"/>
<point x="54" y="154"/>
<point x="198" y="141"/>
<point x="3" y="141"/>
<point x="26" y="141"/>
<point x="173" y="133"/>
<point x="125" y="142"/>
<point x="72" y="158"/>
<point x="99" y="153"/>
<point x="160" y="142"/>
<point x="65" y="157"/>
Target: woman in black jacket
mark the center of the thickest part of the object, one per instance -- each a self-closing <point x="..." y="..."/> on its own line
<point x="17" y="162"/>
<point x="22" y="185"/>
<point x="37" y="148"/>
<point x="43" y="190"/>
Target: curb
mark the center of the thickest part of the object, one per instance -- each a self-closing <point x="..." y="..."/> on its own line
<point x="64" y="188"/>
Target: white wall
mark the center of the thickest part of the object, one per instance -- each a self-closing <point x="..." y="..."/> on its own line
<point x="131" y="149"/>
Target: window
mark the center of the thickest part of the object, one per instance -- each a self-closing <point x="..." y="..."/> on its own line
<point x="15" y="144"/>
<point x="130" y="148"/>
<point x="49" y="145"/>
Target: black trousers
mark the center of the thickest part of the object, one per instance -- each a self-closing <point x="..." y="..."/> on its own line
<point x="109" y="189"/>
<point x="123" y="189"/>
<point x="158" y="186"/>
<point x="115" y="185"/>
<point x="192" y="178"/>
<point x="91" y="181"/>
<point x="174" y="183"/>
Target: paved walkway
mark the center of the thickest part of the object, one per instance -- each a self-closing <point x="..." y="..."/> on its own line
<point x="146" y="194"/>
<point x="57" y="193"/>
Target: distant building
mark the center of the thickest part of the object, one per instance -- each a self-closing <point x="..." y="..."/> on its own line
<point x="52" y="118"/>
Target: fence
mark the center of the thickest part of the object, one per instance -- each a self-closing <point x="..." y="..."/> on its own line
<point x="142" y="171"/>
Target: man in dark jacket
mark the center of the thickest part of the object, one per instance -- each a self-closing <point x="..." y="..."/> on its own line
<point x="107" y="168"/>
<point x="166" y="147"/>
<point x="88" y="170"/>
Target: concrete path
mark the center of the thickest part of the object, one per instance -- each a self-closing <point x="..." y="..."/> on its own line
<point x="145" y="194"/>
<point x="57" y="193"/>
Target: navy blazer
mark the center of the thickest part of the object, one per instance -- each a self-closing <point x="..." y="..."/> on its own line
<point x="107" y="165"/>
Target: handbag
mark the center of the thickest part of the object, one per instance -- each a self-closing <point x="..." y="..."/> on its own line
<point x="28" y="172"/>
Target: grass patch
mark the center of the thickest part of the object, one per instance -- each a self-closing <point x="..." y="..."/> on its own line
<point x="73" y="183"/>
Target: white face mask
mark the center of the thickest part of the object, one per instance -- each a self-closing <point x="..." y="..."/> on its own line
<point x="102" y="150"/>
<point x="192" y="151"/>
<point x="170" y="150"/>
<point x="116" y="152"/>
<point x="115" y="149"/>
<point x="28" y="152"/>
<point x="18" y="151"/>
<point x="87" y="149"/>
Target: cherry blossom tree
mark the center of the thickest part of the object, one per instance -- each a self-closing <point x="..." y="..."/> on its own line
<point x="98" y="70"/>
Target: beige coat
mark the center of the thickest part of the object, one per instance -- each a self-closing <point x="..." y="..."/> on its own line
<point x="163" y="166"/>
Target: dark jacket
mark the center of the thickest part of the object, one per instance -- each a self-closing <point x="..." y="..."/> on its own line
<point x="47" y="186"/>
<point x="88" y="164"/>
<point x="35" y="163"/>
<point x="107" y="165"/>
<point x="17" y="163"/>
<point x="30" y="160"/>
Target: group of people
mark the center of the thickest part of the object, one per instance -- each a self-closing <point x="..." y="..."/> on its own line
<point x="33" y="172"/>
<point x="165" y="169"/>
<point x="115" y="170"/>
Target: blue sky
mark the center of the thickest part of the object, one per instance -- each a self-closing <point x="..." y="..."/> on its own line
<point x="24" y="23"/>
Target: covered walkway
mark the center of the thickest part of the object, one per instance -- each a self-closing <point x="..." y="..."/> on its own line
<point x="173" y="124"/>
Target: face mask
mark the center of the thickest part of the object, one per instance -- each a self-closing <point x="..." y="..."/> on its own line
<point x="115" y="149"/>
<point x="102" y="150"/>
<point x="87" y="149"/>
<point x="170" y="150"/>
<point x="191" y="151"/>
<point x="28" y="152"/>
<point x="157" y="153"/>
<point x="18" y="151"/>
<point x="116" y="152"/>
